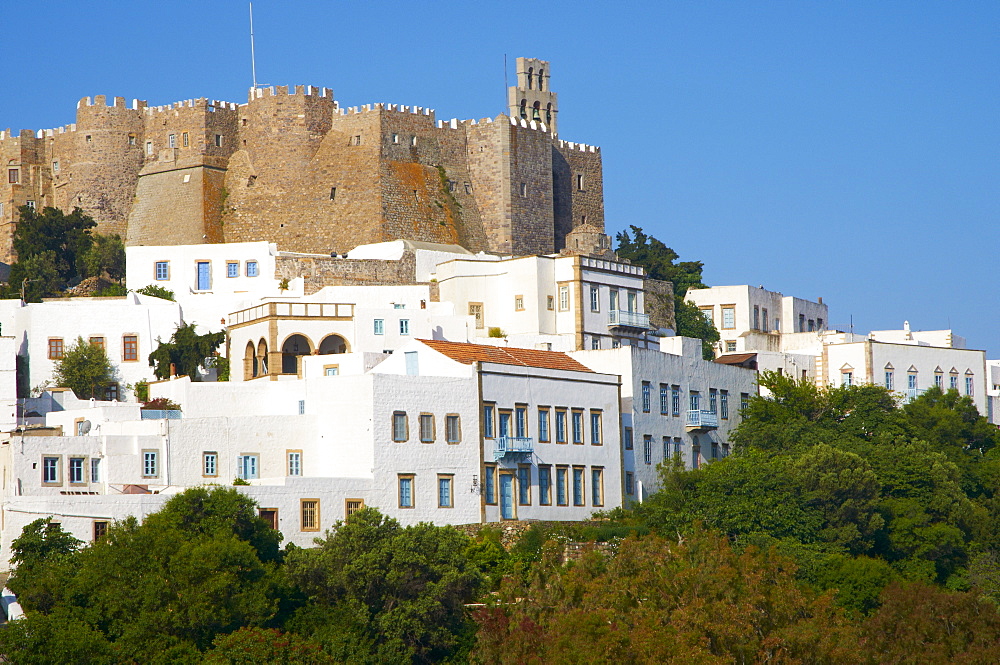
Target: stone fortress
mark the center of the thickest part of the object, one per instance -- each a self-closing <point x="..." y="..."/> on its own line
<point x="291" y="166"/>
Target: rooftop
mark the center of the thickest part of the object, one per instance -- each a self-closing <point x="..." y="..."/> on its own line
<point x="469" y="353"/>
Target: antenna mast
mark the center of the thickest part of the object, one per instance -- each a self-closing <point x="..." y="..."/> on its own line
<point x="253" y="59"/>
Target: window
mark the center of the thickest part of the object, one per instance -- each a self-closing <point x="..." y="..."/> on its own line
<point x="130" y="347"/>
<point x="763" y="315"/>
<point x="953" y="382"/>
<point x="427" y="427"/>
<point x="251" y="268"/>
<point x="218" y="140"/>
<point x="595" y="342"/>
<point x="488" y="424"/>
<point x="628" y="438"/>
<point x="647" y="449"/>
<point x="31" y="205"/>
<point x="395" y="138"/>
<point x="172" y="141"/>
<point x="819" y="323"/>
<point x="629" y="482"/>
<point x="728" y="316"/>
<point x="162" y="270"/>
<point x="596" y="433"/>
<point x="97" y="341"/>
<point x="476" y="310"/>
<point x="695" y="456"/>
<point x="646" y="397"/>
<point x="520" y="420"/>
<point x="518" y="303"/>
<point x="677" y="446"/>
<point x="709" y="314"/>
<point x="55" y="348"/>
<point x="100" y="529"/>
<point x="524" y="189"/>
<point x="490" y="482"/>
<point x="560" y="426"/>
<point x="730" y="347"/>
<point x="352" y="506"/>
<point x="550" y="303"/>
<point x="632" y="301"/>
<point x="55" y="167"/>
<point x="724" y="404"/>
<point x="911" y="381"/>
<point x="524" y="485"/>
<point x="210" y="464"/>
<point x="308" y="514"/>
<point x="452" y="428"/>
<point x="543" y="423"/>
<point x="578" y="488"/>
<point x="111" y="392"/>
<point x="406" y="491"/>
<point x="444" y="491"/>
<point x="294" y="462"/>
<point x="664" y="399"/>
<point x="248" y="467"/>
<point x="413" y="140"/>
<point x="675" y="400"/>
<point x="149" y="147"/>
<point x="597" y="486"/>
<point x="968" y="386"/>
<point x="577" y="426"/>
<point x="562" y="479"/>
<point x="378" y="326"/>
<point x="95" y="470"/>
<point x="756" y="317"/>
<point x="579" y="182"/>
<point x="744" y="401"/>
<point x="846" y="378"/>
<point x="404" y="326"/>
<point x="331" y="370"/>
<point x="50" y="471"/>
<point x="131" y="139"/>
<point x="889" y="380"/>
<point x="666" y="448"/>
<point x="400" y="427"/>
<point x="76" y="473"/>
<point x="269" y="515"/>
<point x="595" y="302"/>
<point x="694" y="401"/>
<point x="545" y="485"/>
<point x="713" y="400"/>
<point x="13" y="176"/>
<point x="938" y="379"/>
<point x="185" y="140"/>
<point x="302" y="407"/>
<point x="563" y="298"/>
<point x="150" y="468"/>
<point x="232" y="269"/>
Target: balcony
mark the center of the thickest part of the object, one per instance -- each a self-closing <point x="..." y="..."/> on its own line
<point x="160" y="414"/>
<point x="289" y="310"/>
<point x="512" y="445"/>
<point x="913" y="393"/>
<point x="623" y="319"/>
<point x="701" y="420"/>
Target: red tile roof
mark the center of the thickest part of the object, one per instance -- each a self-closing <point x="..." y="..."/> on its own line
<point x="470" y="353"/>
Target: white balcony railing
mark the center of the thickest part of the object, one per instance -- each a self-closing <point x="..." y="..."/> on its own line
<point x="702" y="419"/>
<point x="625" y="319"/>
<point x="512" y="444"/>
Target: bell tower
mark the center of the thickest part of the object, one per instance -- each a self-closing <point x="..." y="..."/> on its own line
<point x="532" y="97"/>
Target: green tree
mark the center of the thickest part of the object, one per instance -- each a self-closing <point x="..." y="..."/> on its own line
<point x="48" y="241"/>
<point x="380" y="592"/>
<point x="85" y="369"/>
<point x="186" y="350"/>
<point x="257" y="646"/>
<point x="661" y="263"/>
<point x="106" y="256"/>
<point x="34" y="278"/>
<point x="156" y="291"/>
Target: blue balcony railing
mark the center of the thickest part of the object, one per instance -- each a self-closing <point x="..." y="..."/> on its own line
<point x="702" y="419"/>
<point x="506" y="445"/>
<point x="159" y="414"/>
<point x="621" y="318"/>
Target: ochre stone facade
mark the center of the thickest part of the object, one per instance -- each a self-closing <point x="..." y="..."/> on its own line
<point x="292" y="167"/>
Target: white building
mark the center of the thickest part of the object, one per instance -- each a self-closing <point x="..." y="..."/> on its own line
<point x="743" y="313"/>
<point x="408" y="435"/>
<point x="128" y="328"/>
<point x="674" y="403"/>
<point x="563" y="303"/>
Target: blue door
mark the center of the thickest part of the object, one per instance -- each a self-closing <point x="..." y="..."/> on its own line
<point x="507" y="496"/>
<point x="204" y="284"/>
<point x="504" y="425"/>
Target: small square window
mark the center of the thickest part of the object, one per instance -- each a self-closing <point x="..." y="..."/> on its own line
<point x="427" y="428"/>
<point x="251" y="267"/>
<point x="51" y="469"/>
<point x="550" y="303"/>
<point x="400" y="427"/>
<point x="95" y="470"/>
<point x="131" y="139"/>
<point x="395" y="138"/>
<point x="294" y="462"/>
<point x="453" y="430"/>
<point x="55" y="167"/>
<point x="172" y="141"/>
<point x="218" y="140"/>
<point x="162" y="270"/>
<point x="76" y="471"/>
<point x="309" y="515"/>
<point x="232" y="269"/>
<point x="13" y="176"/>
<point x="150" y="467"/>
<point x="378" y="326"/>
<point x="210" y="464"/>
<point x="518" y="303"/>
<point x="149" y="147"/>
<point x="404" y="326"/>
<point x="55" y="348"/>
<point x="100" y="529"/>
<point x="130" y="347"/>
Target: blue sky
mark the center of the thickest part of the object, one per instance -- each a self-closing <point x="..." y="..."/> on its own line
<point x="849" y="150"/>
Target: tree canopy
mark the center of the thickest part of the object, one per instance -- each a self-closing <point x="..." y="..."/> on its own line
<point x="661" y="263"/>
<point x="85" y="369"/>
<point x="186" y="350"/>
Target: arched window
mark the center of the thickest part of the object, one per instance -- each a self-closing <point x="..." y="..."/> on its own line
<point x="541" y="79"/>
<point x="548" y="113"/>
<point x="524" y="109"/>
<point x="296" y="345"/>
<point x="536" y="111"/>
<point x="250" y="366"/>
<point x="261" y="358"/>
<point x="332" y="344"/>
<point x="531" y="76"/>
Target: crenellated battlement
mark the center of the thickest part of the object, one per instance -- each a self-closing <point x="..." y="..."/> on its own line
<point x="117" y="102"/>
<point x="289" y="91"/>
<point x="394" y="108"/>
<point x="201" y="104"/>
<point x="582" y="147"/>
<point x="49" y="133"/>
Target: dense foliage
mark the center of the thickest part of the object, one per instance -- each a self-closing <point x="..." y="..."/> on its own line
<point x="186" y="351"/>
<point x="56" y="250"/>
<point x="844" y="528"/>
<point x="659" y="262"/>
<point x="85" y="369"/>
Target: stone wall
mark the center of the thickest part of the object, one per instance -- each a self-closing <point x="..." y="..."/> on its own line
<point x="660" y="303"/>
<point x="321" y="271"/>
